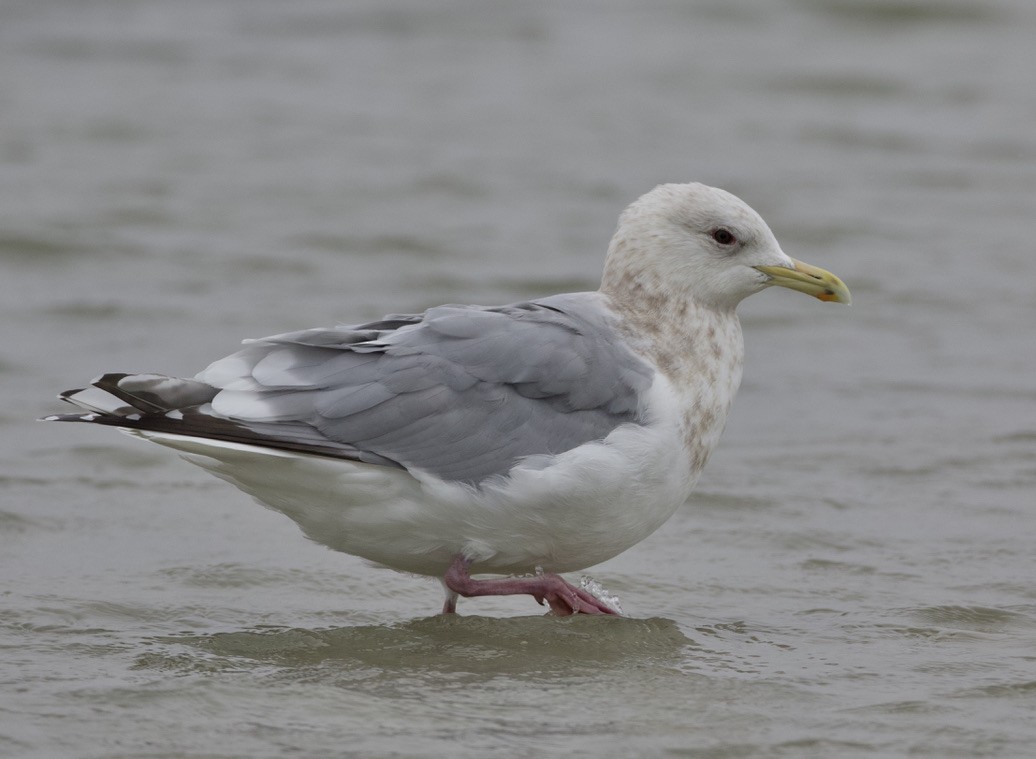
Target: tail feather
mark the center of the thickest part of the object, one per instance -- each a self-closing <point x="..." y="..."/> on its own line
<point x="143" y="393"/>
<point x="98" y="401"/>
<point x="118" y="398"/>
<point x="180" y="407"/>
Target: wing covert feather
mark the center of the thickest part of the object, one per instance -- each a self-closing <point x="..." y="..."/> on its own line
<point x="463" y="392"/>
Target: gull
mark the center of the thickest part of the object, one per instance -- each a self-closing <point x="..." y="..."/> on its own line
<point x="524" y="440"/>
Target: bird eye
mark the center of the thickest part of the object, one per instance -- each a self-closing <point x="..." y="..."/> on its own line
<point x="723" y="236"/>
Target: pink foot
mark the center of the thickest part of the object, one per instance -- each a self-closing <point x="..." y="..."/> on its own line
<point x="563" y="598"/>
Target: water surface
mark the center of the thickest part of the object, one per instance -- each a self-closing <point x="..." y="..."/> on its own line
<point x="855" y="574"/>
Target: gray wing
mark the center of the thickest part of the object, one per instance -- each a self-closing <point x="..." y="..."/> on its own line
<point x="462" y="392"/>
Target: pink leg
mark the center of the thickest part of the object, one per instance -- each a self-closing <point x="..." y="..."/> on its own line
<point x="564" y="599"/>
<point x="450" y="605"/>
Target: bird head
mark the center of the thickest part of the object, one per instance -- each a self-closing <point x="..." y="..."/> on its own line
<point x="702" y="243"/>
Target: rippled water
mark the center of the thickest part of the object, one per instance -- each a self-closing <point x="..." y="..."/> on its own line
<point x="855" y="575"/>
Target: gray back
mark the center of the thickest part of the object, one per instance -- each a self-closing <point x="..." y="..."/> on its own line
<point x="463" y="392"/>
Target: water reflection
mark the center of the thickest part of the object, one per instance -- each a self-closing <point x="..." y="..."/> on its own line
<point x="525" y="646"/>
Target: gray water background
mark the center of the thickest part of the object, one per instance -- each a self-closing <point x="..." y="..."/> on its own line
<point x="853" y="577"/>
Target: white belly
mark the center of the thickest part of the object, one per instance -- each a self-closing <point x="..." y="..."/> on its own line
<point x="561" y="513"/>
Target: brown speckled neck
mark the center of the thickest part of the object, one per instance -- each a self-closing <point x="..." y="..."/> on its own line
<point x="698" y="349"/>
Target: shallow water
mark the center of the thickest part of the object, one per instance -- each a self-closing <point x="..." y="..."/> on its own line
<point x="855" y="574"/>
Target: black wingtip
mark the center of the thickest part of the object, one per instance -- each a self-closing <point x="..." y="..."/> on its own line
<point x="68" y="418"/>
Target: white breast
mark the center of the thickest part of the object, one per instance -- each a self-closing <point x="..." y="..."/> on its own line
<point x="562" y="513"/>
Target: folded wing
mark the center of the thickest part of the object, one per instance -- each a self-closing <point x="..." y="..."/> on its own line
<point x="462" y="392"/>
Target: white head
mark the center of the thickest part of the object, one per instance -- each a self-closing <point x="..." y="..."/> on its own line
<point x="698" y="242"/>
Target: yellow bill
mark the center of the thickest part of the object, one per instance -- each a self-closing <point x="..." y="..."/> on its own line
<point x="811" y="280"/>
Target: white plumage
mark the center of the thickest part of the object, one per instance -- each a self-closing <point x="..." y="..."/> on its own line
<point x="552" y="434"/>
